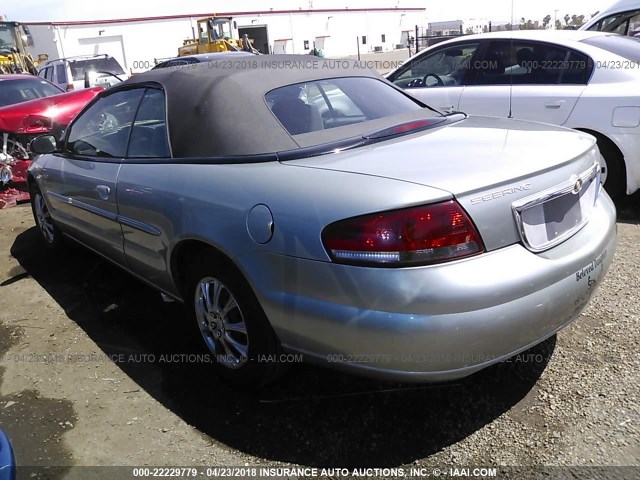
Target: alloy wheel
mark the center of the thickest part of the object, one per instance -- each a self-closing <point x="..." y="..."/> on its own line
<point x="43" y="218"/>
<point x="221" y="323"/>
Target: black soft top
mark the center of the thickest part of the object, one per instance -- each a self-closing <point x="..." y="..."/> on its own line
<point x="218" y="109"/>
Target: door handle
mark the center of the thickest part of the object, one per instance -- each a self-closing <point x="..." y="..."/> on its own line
<point x="554" y="105"/>
<point x="103" y="192"/>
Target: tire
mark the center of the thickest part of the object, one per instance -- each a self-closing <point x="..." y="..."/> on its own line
<point x="616" y="178"/>
<point x="235" y="329"/>
<point x="50" y="234"/>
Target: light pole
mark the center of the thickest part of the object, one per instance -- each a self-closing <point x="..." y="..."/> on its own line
<point x="555" y="19"/>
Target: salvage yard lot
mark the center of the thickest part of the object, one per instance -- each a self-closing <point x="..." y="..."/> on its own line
<point x="96" y="370"/>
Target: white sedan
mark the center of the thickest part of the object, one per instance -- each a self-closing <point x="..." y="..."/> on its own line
<point x="585" y="80"/>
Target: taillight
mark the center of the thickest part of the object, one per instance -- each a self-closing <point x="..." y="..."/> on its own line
<point x="414" y="236"/>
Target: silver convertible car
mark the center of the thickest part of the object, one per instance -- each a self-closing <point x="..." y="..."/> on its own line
<point x="302" y="205"/>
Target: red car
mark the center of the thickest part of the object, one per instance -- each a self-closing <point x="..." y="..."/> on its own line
<point x="30" y="106"/>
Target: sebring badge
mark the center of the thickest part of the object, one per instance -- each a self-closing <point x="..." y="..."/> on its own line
<point x="577" y="187"/>
<point x="501" y="193"/>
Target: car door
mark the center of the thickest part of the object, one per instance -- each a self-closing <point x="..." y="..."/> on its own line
<point x="81" y="180"/>
<point x="143" y="203"/>
<point x="528" y="80"/>
<point x="438" y="76"/>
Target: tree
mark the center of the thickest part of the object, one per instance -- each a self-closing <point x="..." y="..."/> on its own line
<point x="558" y="25"/>
<point x="508" y="27"/>
<point x="577" y="20"/>
<point x="470" y="31"/>
<point x="567" y="18"/>
<point x="546" y="21"/>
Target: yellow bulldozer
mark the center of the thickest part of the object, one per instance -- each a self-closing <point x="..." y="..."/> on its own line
<point x="215" y="34"/>
<point x="14" y="57"/>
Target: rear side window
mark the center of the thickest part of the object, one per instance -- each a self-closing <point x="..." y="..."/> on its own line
<point x="332" y="103"/>
<point x="626" y="47"/>
<point x="149" y="133"/>
<point x="61" y="74"/>
<point x="103" y="129"/>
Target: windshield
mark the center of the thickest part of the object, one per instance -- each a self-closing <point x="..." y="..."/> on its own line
<point x="24" y="89"/>
<point x="98" y="64"/>
<point x="7" y="38"/>
<point x="337" y="102"/>
<point x="626" y="47"/>
<point x="220" y="28"/>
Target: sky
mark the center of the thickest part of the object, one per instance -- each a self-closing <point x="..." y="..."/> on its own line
<point x="497" y="10"/>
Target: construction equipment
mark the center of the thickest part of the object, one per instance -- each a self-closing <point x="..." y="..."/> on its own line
<point x="215" y="35"/>
<point x="14" y="57"/>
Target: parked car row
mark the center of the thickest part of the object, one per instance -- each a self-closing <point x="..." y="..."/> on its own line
<point x="360" y="221"/>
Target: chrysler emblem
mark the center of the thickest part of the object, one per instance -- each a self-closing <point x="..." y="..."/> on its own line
<point x="578" y="186"/>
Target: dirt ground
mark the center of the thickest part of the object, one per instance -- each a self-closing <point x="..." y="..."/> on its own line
<point x="96" y="370"/>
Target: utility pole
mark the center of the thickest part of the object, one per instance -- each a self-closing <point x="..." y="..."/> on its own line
<point x="555" y="19"/>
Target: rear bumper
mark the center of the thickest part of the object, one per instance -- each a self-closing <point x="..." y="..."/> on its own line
<point x="432" y="323"/>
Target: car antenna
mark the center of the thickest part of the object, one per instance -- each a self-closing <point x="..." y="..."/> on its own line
<point x="511" y="70"/>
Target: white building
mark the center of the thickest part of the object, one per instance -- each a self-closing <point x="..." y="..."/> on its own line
<point x="445" y="28"/>
<point x="476" y="25"/>
<point x="137" y="42"/>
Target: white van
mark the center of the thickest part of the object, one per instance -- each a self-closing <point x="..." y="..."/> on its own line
<point x="621" y="17"/>
<point x="69" y="73"/>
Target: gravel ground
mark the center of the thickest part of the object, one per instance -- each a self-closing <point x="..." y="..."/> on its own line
<point x="573" y="400"/>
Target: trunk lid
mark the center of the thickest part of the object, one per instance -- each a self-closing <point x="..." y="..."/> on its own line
<point x="486" y="163"/>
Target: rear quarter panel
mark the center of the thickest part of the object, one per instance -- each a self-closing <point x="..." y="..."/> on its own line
<point x="211" y="203"/>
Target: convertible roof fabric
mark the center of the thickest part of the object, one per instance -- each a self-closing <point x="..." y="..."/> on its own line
<point x="218" y="109"/>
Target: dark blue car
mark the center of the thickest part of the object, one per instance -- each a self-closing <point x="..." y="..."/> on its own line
<point x="7" y="460"/>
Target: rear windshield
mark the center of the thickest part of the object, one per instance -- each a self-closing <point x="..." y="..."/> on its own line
<point x="338" y="102"/>
<point x="22" y="90"/>
<point x="100" y="64"/>
<point x="626" y="47"/>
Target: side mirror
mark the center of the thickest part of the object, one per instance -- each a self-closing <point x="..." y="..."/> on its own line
<point x="44" y="144"/>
